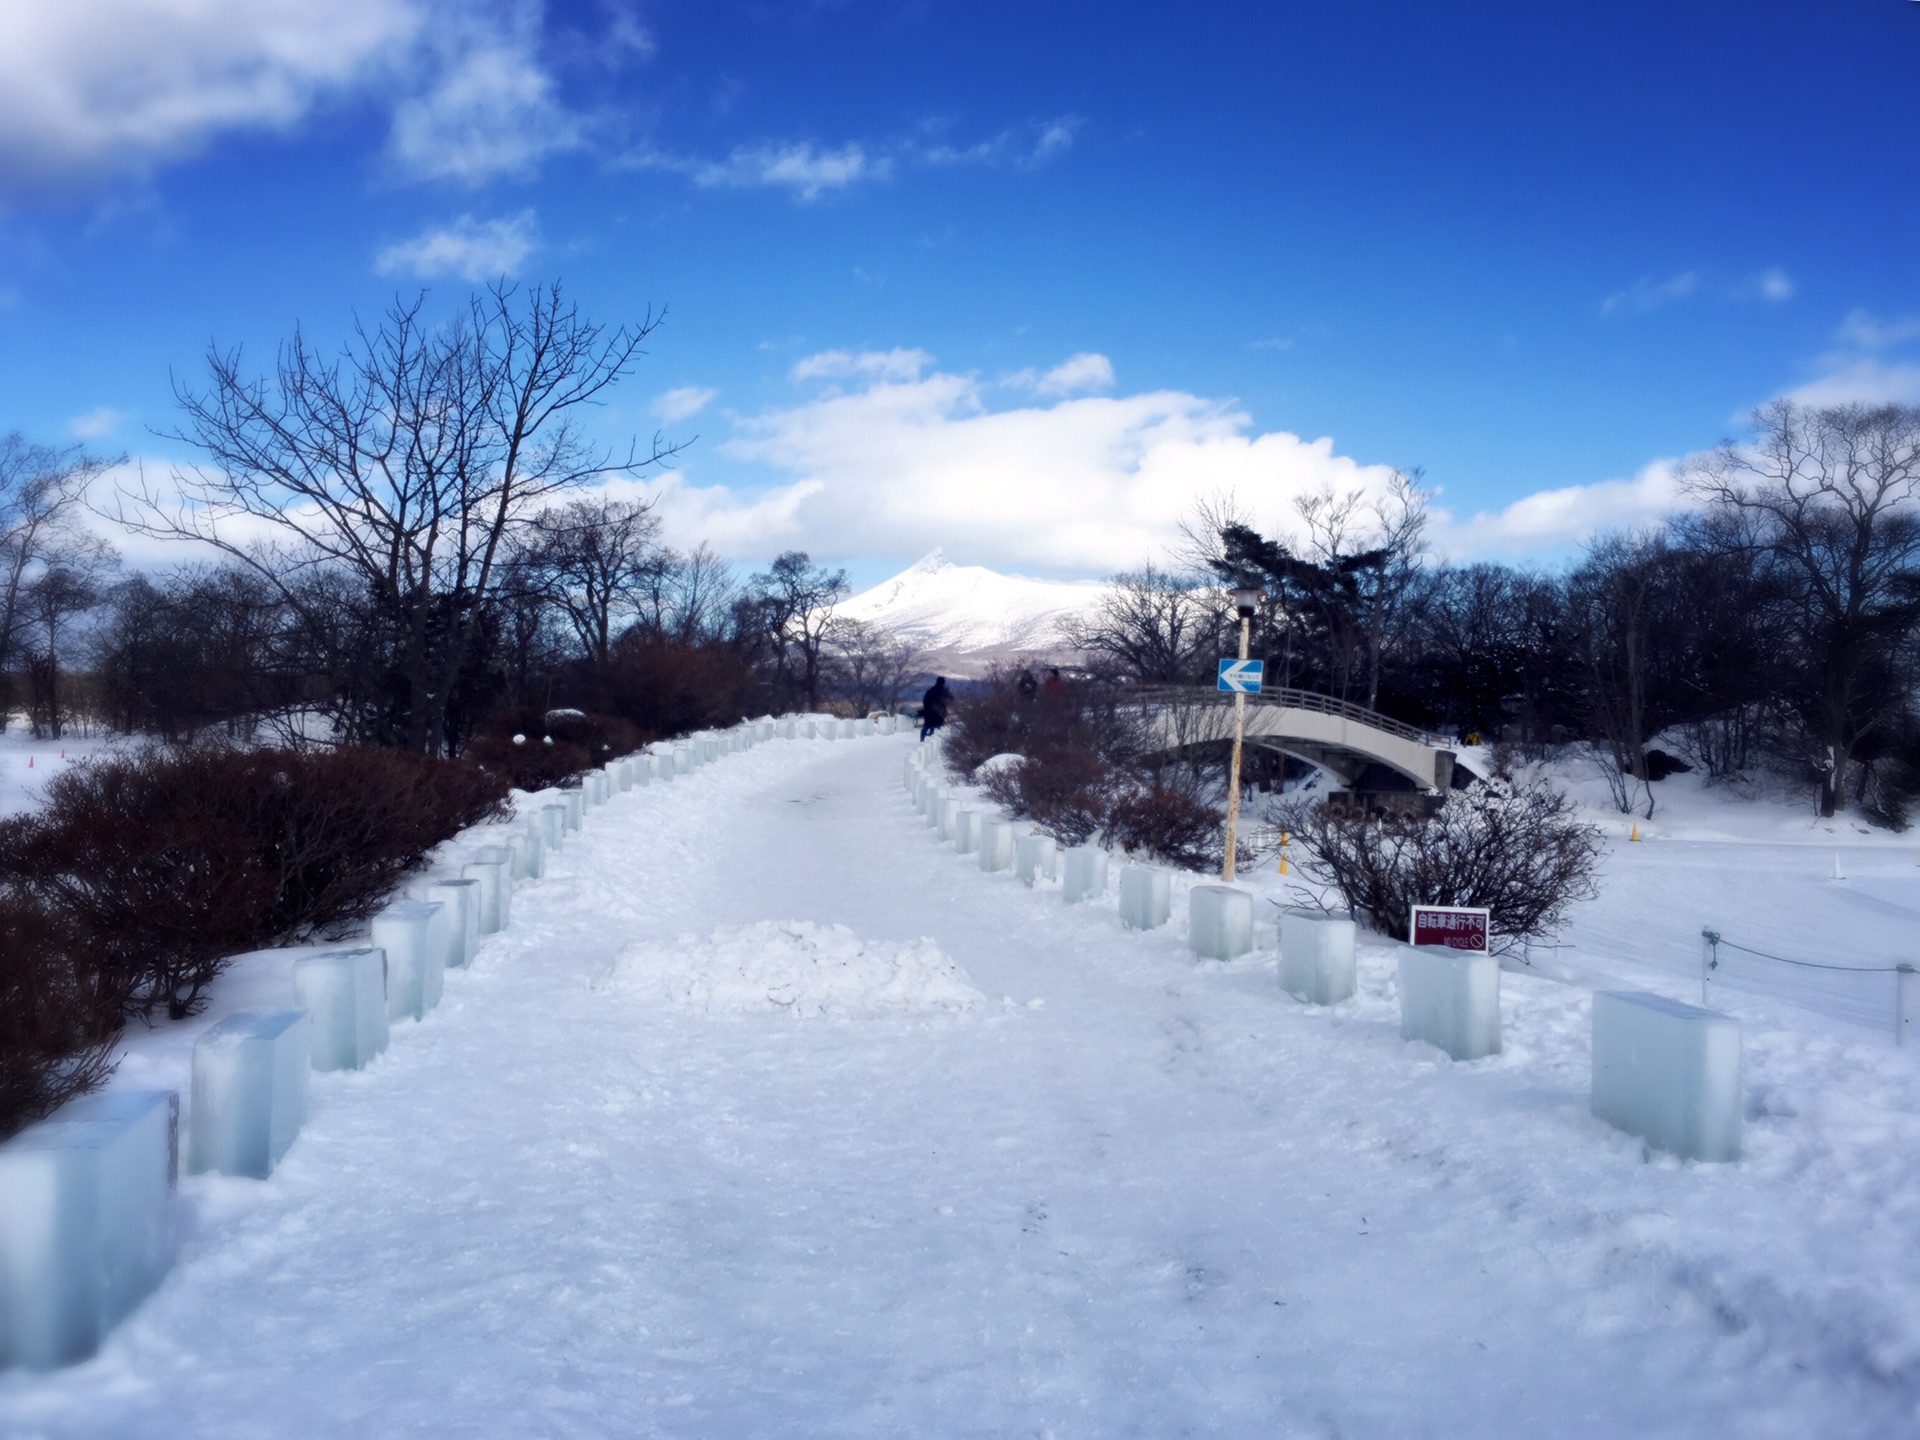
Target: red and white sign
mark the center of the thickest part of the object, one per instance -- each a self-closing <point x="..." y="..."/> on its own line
<point x="1457" y="927"/>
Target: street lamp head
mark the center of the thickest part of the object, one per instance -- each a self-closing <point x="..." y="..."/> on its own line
<point x="1246" y="600"/>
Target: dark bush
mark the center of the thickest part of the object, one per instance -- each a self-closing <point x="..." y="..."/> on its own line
<point x="57" y="1018"/>
<point x="155" y="867"/>
<point x="554" y="745"/>
<point x="531" y="765"/>
<point x="1159" y="820"/>
<point x="1520" y="852"/>
<point x="1064" y="790"/>
<point x="669" y="687"/>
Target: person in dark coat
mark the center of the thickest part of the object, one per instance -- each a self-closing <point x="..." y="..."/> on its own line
<point x="933" y="706"/>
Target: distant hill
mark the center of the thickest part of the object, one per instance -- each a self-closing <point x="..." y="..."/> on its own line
<point x="967" y="618"/>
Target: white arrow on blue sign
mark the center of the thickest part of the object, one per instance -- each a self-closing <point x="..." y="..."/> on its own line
<point x="1241" y="677"/>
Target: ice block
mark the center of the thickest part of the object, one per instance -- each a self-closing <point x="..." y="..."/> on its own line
<point x="1085" y="875"/>
<point x="249" y="1091"/>
<point x="1219" y="921"/>
<point x="1450" y="999"/>
<point x="996" y="844"/>
<point x="1316" y="955"/>
<point x="1146" y="897"/>
<point x="1668" y="1072"/>
<point x="345" y="993"/>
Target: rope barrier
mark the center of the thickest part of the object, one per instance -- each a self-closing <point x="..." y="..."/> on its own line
<point x="1815" y="964"/>
<point x="1903" y="973"/>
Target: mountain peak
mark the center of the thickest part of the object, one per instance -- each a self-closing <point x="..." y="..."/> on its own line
<point x="931" y="563"/>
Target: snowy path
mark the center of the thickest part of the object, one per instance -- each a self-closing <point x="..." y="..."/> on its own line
<point x="1164" y="1201"/>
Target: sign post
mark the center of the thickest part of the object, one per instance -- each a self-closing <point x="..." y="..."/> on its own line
<point x="1452" y="927"/>
<point x="1241" y="678"/>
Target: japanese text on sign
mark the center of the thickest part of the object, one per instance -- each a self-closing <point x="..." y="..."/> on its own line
<point x="1457" y="927"/>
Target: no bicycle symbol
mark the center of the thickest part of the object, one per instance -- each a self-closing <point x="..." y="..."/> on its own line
<point x="1241" y="677"/>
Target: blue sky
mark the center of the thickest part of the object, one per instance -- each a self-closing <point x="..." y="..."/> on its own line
<point x="1019" y="279"/>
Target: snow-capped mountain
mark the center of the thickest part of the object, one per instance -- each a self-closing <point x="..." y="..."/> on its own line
<point x="968" y="617"/>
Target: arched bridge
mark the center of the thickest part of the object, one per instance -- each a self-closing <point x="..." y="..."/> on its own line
<point x="1337" y="735"/>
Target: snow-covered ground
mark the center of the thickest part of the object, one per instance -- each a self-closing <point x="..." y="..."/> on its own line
<point x="26" y="764"/>
<point x="986" y="1165"/>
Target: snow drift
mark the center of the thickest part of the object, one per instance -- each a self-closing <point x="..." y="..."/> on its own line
<point x="797" y="967"/>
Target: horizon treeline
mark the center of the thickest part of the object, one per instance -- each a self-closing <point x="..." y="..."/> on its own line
<point x="399" y="549"/>
<point x="1775" y="624"/>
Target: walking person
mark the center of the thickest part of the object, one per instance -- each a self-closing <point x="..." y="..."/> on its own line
<point x="933" y="706"/>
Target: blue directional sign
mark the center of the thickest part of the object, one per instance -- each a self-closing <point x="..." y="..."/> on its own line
<point x="1241" y="677"/>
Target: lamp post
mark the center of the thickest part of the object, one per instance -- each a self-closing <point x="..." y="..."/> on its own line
<point x="1246" y="601"/>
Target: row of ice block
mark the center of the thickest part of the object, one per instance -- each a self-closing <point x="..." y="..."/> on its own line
<point x="1663" y="1070"/>
<point x="86" y="1196"/>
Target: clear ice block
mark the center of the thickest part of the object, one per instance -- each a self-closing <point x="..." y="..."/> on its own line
<point x="249" y="1091"/>
<point x="1035" y="856"/>
<point x="966" y="829"/>
<point x="345" y="992"/>
<point x="414" y="934"/>
<point x="1669" y="1073"/>
<point x="1146" y="897"/>
<point x="1450" y="999"/>
<point x="996" y="845"/>
<point x="1316" y="955"/>
<point x="86" y="1222"/>
<point x="1085" y="874"/>
<point x="486" y="877"/>
<point x="1219" y="921"/>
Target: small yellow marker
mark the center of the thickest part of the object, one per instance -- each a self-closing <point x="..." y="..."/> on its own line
<point x="1285" y="838"/>
<point x="1636" y="831"/>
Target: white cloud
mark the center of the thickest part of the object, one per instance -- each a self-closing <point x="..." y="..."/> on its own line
<point x="1056" y="138"/>
<point x="683" y="402"/>
<point x="88" y="88"/>
<point x="1857" y="371"/>
<point x="1025" y="147"/>
<point x="490" y="111"/>
<point x="1551" y="520"/>
<point x="473" y="250"/>
<point x="808" y="169"/>
<point x="1644" y="295"/>
<point x="805" y="169"/>
<point x="1077" y="373"/>
<point x="1863" y="381"/>
<point x="882" y="366"/>
<point x="96" y="424"/>
<point x="912" y="457"/>
<point x="1863" y="331"/>
<point x="1774" y="285"/>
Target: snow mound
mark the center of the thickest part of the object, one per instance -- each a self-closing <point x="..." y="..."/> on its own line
<point x="794" y="966"/>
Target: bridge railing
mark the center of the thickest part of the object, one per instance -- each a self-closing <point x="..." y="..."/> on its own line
<point x="1194" y="695"/>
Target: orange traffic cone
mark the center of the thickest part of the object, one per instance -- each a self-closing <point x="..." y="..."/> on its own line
<point x="1636" y="831"/>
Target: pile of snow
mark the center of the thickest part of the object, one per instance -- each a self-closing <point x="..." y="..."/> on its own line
<point x="794" y="966"/>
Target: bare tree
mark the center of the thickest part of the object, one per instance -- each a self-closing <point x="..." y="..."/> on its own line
<point x="1152" y="627"/>
<point x="406" y="464"/>
<point x="1829" y="500"/>
<point x="795" y="600"/>
<point x="687" y="596"/>
<point x="50" y="602"/>
<point x="595" y="560"/>
<point x="869" y="664"/>
<point x="1614" y="603"/>
<point x="40" y="494"/>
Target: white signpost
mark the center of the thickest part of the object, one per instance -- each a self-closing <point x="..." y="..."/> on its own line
<point x="1240" y="678"/>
